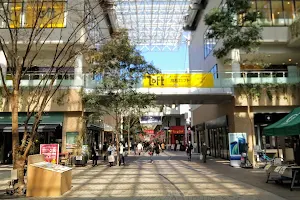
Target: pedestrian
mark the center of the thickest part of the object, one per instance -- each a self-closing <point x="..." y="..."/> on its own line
<point x="163" y="146"/>
<point x="134" y="148"/>
<point x="111" y="157"/>
<point x="151" y="151"/>
<point x="104" y="151"/>
<point x="204" y="152"/>
<point x="157" y="149"/>
<point x="140" y="148"/>
<point x="122" y="154"/>
<point x="94" y="156"/>
<point x="189" y="149"/>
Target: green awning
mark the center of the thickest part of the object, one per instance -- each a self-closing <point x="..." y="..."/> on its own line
<point x="287" y="126"/>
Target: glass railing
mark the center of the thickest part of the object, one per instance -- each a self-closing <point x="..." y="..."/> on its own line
<point x="223" y="80"/>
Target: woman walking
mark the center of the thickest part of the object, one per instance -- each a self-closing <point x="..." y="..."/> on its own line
<point x="111" y="154"/>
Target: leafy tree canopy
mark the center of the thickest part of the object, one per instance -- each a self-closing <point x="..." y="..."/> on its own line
<point x="236" y="25"/>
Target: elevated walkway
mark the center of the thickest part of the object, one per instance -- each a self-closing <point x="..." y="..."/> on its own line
<point x="220" y="90"/>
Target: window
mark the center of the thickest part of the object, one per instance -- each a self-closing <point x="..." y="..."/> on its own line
<point x="46" y="14"/>
<point x="209" y="44"/>
<point x="277" y="13"/>
<point x="214" y="71"/>
<point x="264" y="12"/>
<point x="289" y="11"/>
<point x="177" y="121"/>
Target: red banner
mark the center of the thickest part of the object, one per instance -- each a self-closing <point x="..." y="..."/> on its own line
<point x="51" y="152"/>
<point x="177" y="130"/>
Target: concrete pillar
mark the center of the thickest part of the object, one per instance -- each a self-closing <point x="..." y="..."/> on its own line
<point x="242" y="124"/>
<point x="293" y="73"/>
<point x="235" y="63"/>
<point x="78" y="71"/>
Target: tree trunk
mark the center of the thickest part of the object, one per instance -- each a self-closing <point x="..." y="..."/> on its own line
<point x="252" y="133"/>
<point x="15" y="126"/>
<point x="117" y="139"/>
<point x="128" y="139"/>
<point x="20" y="165"/>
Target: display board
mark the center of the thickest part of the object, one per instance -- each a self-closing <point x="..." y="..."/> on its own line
<point x="51" y="152"/>
<point x="71" y="139"/>
<point x="202" y="80"/>
<point x="237" y="145"/>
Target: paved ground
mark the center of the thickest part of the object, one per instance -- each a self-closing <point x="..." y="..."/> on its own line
<point x="171" y="176"/>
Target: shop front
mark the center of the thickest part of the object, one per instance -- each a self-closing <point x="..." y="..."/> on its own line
<point x="50" y="131"/>
<point x="177" y="136"/>
<point x="218" y="137"/>
<point x="199" y="136"/>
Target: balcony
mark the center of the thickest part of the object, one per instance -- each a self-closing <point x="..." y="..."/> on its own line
<point x="225" y="80"/>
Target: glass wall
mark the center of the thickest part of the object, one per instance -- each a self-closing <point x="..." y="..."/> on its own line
<point x="209" y="44"/>
<point x="276" y="12"/>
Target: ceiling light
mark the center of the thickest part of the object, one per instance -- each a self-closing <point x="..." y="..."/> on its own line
<point x="290" y="59"/>
<point x="283" y="63"/>
<point x="288" y="2"/>
<point x="296" y="63"/>
<point x="278" y="13"/>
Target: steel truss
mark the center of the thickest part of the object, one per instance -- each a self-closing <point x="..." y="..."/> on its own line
<point x="154" y="25"/>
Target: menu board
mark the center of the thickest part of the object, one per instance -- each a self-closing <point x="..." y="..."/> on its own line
<point x="51" y="152"/>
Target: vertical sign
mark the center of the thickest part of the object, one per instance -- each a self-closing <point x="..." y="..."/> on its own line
<point x="51" y="152"/>
<point x="237" y="144"/>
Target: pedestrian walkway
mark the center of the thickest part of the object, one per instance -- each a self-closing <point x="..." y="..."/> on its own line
<point x="170" y="176"/>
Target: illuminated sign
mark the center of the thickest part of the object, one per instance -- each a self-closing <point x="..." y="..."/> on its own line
<point x="203" y="80"/>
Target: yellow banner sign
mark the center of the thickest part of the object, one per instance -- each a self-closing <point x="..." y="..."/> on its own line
<point x="203" y="80"/>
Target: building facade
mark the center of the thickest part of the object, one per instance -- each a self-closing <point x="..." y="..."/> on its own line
<point x="278" y="91"/>
<point x="69" y="24"/>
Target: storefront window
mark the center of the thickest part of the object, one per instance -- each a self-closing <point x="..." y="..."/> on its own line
<point x="289" y="11"/>
<point x="277" y="13"/>
<point x="264" y="13"/>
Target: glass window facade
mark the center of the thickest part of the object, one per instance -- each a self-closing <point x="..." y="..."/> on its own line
<point x="209" y="44"/>
<point x="214" y="71"/>
<point x="276" y="12"/>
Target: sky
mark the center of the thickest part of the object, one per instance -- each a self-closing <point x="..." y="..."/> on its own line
<point x="175" y="61"/>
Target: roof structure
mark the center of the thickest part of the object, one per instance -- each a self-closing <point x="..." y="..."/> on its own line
<point x="154" y="25"/>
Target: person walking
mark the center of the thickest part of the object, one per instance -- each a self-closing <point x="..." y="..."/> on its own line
<point x="122" y="154"/>
<point x="157" y="151"/>
<point x="140" y="148"/>
<point x="94" y="156"/>
<point x="151" y="148"/>
<point x="111" y="157"/>
<point x="104" y="151"/>
<point x="189" y="151"/>
<point x="204" y="152"/>
<point x="163" y="147"/>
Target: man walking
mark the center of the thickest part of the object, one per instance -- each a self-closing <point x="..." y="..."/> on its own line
<point x="189" y="151"/>
<point x="122" y="156"/>
<point x="204" y="152"/>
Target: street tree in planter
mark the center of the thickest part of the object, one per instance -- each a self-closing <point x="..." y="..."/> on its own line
<point x="41" y="40"/>
<point x="235" y="25"/>
<point x="121" y="68"/>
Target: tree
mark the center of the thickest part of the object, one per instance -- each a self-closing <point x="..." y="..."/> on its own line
<point x="25" y="44"/>
<point x="236" y="26"/>
<point x="121" y="68"/>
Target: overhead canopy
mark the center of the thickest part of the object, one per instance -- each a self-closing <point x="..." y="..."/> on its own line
<point x="287" y="126"/>
<point x="42" y="128"/>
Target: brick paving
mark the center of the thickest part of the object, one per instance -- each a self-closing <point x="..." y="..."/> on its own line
<point x="170" y="176"/>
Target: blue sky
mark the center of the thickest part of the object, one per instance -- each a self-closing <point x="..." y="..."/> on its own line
<point x="175" y="60"/>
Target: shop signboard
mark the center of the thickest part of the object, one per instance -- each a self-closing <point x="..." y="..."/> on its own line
<point x="150" y="120"/>
<point x="51" y="152"/>
<point x="237" y="145"/>
<point x="203" y="80"/>
<point x="71" y="139"/>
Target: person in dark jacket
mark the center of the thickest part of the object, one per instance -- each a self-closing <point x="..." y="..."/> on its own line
<point x="189" y="148"/>
<point x="94" y="156"/>
<point x="204" y="152"/>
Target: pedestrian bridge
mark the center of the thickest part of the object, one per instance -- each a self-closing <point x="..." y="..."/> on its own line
<point x="219" y="90"/>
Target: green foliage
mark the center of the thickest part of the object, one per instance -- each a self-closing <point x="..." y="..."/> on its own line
<point x="121" y="67"/>
<point x="255" y="91"/>
<point x="235" y="25"/>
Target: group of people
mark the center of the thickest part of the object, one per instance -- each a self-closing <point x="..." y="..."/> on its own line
<point x="203" y="154"/>
<point x="109" y="153"/>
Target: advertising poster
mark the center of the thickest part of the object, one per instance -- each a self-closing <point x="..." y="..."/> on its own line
<point x="237" y="145"/>
<point x="51" y="152"/>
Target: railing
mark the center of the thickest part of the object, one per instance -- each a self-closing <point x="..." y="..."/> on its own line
<point x="294" y="30"/>
<point x="224" y="80"/>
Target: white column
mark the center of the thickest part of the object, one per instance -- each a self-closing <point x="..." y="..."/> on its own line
<point x="78" y="71"/>
<point x="235" y="64"/>
<point x="3" y="63"/>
